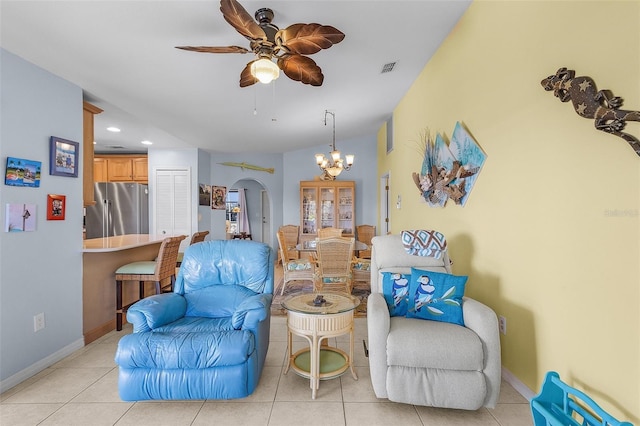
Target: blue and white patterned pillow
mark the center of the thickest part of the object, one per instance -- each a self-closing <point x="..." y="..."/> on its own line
<point x="436" y="296"/>
<point x="424" y="243"/>
<point x="395" y="289"/>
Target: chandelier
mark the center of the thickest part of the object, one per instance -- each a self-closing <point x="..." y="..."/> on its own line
<point x="334" y="165"/>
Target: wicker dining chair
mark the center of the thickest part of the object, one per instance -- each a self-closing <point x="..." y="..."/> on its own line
<point x="334" y="263"/>
<point x="329" y="232"/>
<point x="361" y="270"/>
<point x="364" y="233"/>
<point x="291" y="235"/>
<point x="197" y="237"/>
<point x="293" y="269"/>
<point x="157" y="271"/>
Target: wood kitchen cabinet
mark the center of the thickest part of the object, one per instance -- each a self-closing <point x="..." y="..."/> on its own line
<point x="88" y="112"/>
<point x="100" y="170"/>
<point x="120" y="168"/>
<point x="327" y="204"/>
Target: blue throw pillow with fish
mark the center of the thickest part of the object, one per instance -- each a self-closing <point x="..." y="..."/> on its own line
<point x="395" y="288"/>
<point x="436" y="296"/>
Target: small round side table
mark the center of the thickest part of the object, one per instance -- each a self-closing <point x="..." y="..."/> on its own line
<point x="317" y="317"/>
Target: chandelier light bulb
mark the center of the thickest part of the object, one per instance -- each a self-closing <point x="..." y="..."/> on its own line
<point x="349" y="158"/>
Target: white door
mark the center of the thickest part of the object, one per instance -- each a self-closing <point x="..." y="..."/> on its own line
<point x="385" y="225"/>
<point x="266" y="217"/>
<point x="172" y="202"/>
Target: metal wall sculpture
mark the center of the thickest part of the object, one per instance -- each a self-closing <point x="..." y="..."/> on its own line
<point x="449" y="171"/>
<point x="589" y="102"/>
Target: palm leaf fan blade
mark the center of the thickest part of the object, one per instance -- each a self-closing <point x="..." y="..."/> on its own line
<point x="214" y="49"/>
<point x="302" y="69"/>
<point x="307" y="39"/>
<point x="246" y="78"/>
<point x="238" y="17"/>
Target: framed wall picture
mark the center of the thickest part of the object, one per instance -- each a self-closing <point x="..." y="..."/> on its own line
<point x="20" y="217"/>
<point x="218" y="197"/>
<point x="204" y="196"/>
<point x="21" y="172"/>
<point x="63" y="157"/>
<point x="56" y="206"/>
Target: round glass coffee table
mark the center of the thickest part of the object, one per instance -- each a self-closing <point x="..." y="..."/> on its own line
<point x="317" y="317"/>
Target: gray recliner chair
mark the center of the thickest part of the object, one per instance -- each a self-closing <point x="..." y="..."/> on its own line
<point x="431" y="363"/>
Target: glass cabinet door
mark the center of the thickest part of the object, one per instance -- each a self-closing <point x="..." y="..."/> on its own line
<point x="345" y="211"/>
<point x="327" y="208"/>
<point x="326" y="205"/>
<point x="309" y="214"/>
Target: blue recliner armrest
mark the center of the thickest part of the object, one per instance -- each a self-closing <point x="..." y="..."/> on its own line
<point x="251" y="311"/>
<point x="156" y="311"/>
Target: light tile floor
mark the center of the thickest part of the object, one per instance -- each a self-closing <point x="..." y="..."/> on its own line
<point x="82" y="389"/>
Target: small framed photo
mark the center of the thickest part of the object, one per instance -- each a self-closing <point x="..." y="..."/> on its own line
<point x="218" y="197"/>
<point x="56" y="206"/>
<point x="63" y="157"/>
<point x="21" y="172"/>
<point x="205" y="195"/>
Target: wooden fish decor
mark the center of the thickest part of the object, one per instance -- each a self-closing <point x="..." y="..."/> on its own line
<point x="249" y="167"/>
<point x="589" y="102"/>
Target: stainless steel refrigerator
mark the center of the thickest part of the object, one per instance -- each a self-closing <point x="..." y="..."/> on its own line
<point x="121" y="208"/>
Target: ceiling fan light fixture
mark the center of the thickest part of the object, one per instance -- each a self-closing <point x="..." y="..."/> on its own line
<point x="265" y="70"/>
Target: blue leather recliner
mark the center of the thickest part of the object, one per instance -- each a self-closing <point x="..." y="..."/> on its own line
<point x="209" y="338"/>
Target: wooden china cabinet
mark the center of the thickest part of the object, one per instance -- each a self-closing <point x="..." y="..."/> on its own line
<point x="327" y="204"/>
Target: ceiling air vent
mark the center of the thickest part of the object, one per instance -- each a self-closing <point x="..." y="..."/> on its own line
<point x="115" y="146"/>
<point x="388" y="67"/>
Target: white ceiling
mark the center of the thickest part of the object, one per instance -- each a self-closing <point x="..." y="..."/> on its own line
<point x="121" y="53"/>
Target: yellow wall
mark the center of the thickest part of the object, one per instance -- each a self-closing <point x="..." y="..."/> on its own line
<point x="550" y="235"/>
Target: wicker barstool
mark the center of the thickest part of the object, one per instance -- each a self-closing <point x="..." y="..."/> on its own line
<point x="152" y="270"/>
<point x="197" y="237"/>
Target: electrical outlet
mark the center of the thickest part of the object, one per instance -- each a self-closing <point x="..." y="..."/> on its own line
<point x="502" y="325"/>
<point x="38" y="322"/>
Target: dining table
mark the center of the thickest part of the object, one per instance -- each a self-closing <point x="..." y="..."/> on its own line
<point x="310" y="246"/>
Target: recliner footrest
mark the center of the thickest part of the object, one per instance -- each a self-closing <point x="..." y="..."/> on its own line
<point x="185" y="350"/>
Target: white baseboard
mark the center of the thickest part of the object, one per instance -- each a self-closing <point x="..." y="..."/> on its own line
<point x="37" y="367"/>
<point x="520" y="387"/>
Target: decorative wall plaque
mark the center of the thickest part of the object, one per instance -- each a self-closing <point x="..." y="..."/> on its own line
<point x="589" y="102"/>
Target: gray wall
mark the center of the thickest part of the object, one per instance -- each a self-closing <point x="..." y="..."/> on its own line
<point x="40" y="271"/>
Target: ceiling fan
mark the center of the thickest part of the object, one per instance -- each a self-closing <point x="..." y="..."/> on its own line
<point x="268" y="42"/>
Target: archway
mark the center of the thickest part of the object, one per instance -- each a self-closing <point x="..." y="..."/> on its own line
<point x="258" y="208"/>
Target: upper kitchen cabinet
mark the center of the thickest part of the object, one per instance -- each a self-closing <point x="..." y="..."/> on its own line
<point x="121" y="168"/>
<point x="88" y="111"/>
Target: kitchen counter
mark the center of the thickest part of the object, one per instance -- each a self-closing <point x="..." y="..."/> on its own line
<point x="101" y="257"/>
<point x="121" y="242"/>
